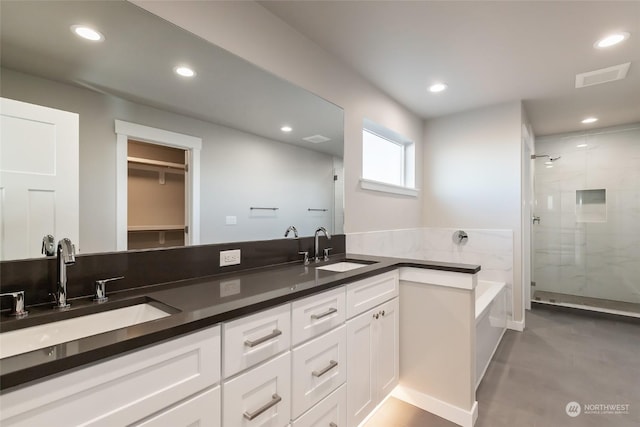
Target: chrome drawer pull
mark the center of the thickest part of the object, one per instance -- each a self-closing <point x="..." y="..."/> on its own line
<point x="275" y="333"/>
<point x="332" y="364"/>
<point x="325" y="314"/>
<point x="275" y="399"/>
<point x="333" y="425"/>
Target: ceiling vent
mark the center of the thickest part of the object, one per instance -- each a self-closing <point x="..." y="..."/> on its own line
<point x="605" y="75"/>
<point x="316" y="139"/>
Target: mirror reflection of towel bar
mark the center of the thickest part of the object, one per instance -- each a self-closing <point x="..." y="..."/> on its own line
<point x="264" y="209"/>
<point x="317" y="210"/>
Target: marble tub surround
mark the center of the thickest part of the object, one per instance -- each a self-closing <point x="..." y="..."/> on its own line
<point x="492" y="249"/>
<point x="148" y="267"/>
<point x="590" y="249"/>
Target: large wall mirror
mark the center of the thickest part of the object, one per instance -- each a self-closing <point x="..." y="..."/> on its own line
<point x="255" y="177"/>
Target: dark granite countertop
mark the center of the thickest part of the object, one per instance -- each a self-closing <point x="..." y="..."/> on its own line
<point x="198" y="303"/>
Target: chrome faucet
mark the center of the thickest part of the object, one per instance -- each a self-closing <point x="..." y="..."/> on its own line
<point x="291" y="228"/>
<point x="66" y="256"/>
<point x="317" y="246"/>
<point x="48" y="245"/>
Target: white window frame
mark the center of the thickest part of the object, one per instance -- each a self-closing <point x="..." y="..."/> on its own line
<point x="408" y="162"/>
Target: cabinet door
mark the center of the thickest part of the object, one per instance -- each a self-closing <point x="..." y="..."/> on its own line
<point x="202" y="410"/>
<point x="260" y="397"/>
<point x="319" y="367"/>
<point x="387" y="349"/>
<point x="361" y="361"/>
<point x="330" y="412"/>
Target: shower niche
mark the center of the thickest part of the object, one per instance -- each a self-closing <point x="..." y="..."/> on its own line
<point x="591" y="205"/>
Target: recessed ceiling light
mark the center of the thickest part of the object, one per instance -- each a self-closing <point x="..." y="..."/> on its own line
<point x="286" y="129"/>
<point x="184" y="71"/>
<point x="437" y="87"/>
<point x="548" y="162"/>
<point x="581" y="145"/>
<point x="611" y="40"/>
<point x="590" y="120"/>
<point x="87" y="33"/>
<point x="549" y="166"/>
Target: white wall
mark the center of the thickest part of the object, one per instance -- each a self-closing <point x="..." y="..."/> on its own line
<point x="472" y="175"/>
<point x="238" y="170"/>
<point x="248" y="30"/>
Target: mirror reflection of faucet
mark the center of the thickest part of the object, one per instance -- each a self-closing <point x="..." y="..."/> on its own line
<point x="291" y="228"/>
<point x="48" y="245"/>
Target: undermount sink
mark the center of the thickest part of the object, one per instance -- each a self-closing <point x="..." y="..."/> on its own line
<point x="49" y="334"/>
<point x="341" y="267"/>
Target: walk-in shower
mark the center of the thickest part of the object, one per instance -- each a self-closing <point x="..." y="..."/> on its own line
<point x="586" y="230"/>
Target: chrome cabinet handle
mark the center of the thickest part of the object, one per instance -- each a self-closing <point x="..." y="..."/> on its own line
<point x="275" y="399"/>
<point x="325" y="314"/>
<point x="332" y="364"/>
<point x="275" y="333"/>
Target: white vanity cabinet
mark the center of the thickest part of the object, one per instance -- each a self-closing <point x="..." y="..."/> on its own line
<point x="373" y="344"/>
<point x="161" y="379"/>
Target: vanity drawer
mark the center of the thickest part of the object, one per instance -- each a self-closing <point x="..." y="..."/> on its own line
<point x="319" y="367"/>
<point x="330" y="412"/>
<point x="317" y="314"/>
<point x="255" y="338"/>
<point x="260" y="397"/>
<point x="368" y="293"/>
<point x="201" y="410"/>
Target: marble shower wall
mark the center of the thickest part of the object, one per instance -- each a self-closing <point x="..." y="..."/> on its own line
<point x="491" y="249"/>
<point x="598" y="255"/>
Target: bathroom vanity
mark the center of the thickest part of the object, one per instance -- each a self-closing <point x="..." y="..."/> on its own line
<point x="273" y="346"/>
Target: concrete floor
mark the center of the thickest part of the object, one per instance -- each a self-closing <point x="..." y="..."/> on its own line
<point x="562" y="356"/>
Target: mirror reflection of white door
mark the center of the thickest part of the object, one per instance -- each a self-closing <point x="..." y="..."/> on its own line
<point x="38" y="177"/>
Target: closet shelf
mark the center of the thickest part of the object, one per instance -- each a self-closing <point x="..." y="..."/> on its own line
<point x="155" y="227"/>
<point x="139" y="161"/>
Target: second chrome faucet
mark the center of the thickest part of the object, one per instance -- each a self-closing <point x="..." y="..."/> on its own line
<point x="66" y="255"/>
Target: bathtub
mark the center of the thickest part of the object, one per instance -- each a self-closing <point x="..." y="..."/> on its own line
<point x="491" y="322"/>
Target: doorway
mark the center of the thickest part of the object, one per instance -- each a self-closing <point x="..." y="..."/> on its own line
<point x="161" y="169"/>
<point x="156" y="196"/>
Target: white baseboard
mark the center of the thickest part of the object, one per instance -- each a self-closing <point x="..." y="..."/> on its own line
<point x="445" y="410"/>
<point x="515" y="325"/>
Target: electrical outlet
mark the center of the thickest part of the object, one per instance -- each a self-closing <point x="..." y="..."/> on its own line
<point x="231" y="257"/>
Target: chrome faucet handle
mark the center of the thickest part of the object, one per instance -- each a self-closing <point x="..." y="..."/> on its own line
<point x="17" y="304"/>
<point x="101" y="289"/>
<point x="306" y="256"/>
<point x="326" y="253"/>
<point x="48" y="245"/>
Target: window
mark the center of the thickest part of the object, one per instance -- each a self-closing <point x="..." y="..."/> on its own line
<point x="388" y="160"/>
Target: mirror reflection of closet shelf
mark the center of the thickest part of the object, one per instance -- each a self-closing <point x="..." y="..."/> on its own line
<point x="162" y="167"/>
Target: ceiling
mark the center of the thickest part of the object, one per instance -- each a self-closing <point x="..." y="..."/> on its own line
<point x="136" y="61"/>
<point x="487" y="53"/>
